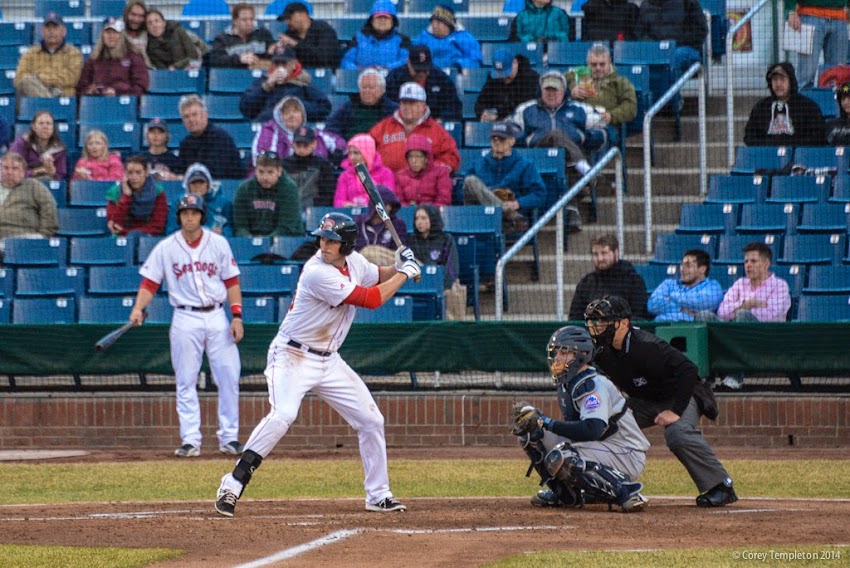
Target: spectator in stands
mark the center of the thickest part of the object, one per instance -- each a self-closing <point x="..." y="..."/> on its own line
<point x="785" y="118"/>
<point x="267" y="205"/>
<point x="207" y="143"/>
<point x="277" y="134"/>
<point x="693" y="292"/>
<point x="609" y="20"/>
<point x="829" y="19"/>
<point x="162" y="161"/>
<point x="42" y="149"/>
<point x="349" y="190"/>
<point x="759" y="296"/>
<point x="27" y="208"/>
<point x="422" y="181"/>
<point x="366" y="107"/>
<point x="134" y="16"/>
<point x="315" y="42"/>
<point x="379" y="43"/>
<point x="505" y="179"/>
<point x="97" y="163"/>
<point x="838" y="129"/>
<point x="439" y="88"/>
<point x="313" y="175"/>
<point x="432" y="245"/>
<point x="52" y="67"/>
<point x="511" y="83"/>
<point x="199" y="181"/>
<point x="450" y="44"/>
<point x="599" y="86"/>
<point x="682" y="21"/>
<point x="169" y="45"/>
<point x="286" y="78"/>
<point x="243" y="44"/>
<point x="137" y="203"/>
<point x="541" y="20"/>
<point x="374" y="240"/>
<point x="612" y="276"/>
<point x="413" y="117"/>
<point x="114" y="67"/>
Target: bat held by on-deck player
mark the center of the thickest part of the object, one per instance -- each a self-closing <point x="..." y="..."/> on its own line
<point x="110" y="338"/>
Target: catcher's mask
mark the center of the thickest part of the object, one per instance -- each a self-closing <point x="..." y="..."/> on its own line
<point x="602" y="318"/>
<point x="572" y="339"/>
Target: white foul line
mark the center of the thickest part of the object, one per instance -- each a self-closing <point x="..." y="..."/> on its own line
<point x="296" y="550"/>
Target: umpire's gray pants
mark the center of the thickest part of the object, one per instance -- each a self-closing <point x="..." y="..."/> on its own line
<point x="685" y="440"/>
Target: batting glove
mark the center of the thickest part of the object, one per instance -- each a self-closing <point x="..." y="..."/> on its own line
<point x="402" y="255"/>
<point x="411" y="269"/>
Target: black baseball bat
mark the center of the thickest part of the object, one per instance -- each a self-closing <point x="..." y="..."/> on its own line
<point x="107" y="340"/>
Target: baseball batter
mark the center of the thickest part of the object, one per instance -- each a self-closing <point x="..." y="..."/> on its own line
<point x="303" y="357"/>
<point x="201" y="274"/>
<point x="597" y="452"/>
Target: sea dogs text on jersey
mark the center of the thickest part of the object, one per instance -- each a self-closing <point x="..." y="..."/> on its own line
<point x="198" y="266"/>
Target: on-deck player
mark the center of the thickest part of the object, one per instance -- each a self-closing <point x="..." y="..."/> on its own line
<point x="303" y="357"/>
<point x="201" y="273"/>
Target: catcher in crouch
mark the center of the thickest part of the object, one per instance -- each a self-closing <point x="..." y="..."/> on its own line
<point x="596" y="452"/>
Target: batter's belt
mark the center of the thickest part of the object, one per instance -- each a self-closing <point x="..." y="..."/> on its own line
<point x="201" y="308"/>
<point x="295" y="344"/>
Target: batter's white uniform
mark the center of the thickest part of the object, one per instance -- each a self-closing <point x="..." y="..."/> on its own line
<point x="195" y="279"/>
<point x="303" y="357"/>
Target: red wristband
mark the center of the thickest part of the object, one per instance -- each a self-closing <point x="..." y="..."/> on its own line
<point x="236" y="310"/>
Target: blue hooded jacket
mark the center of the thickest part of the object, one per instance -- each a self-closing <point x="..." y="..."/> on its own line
<point x="369" y="50"/>
<point x="515" y="173"/>
<point x="458" y="49"/>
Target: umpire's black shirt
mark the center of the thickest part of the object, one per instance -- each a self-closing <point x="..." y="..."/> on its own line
<point x="649" y="368"/>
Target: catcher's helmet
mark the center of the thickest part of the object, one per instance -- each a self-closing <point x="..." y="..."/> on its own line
<point x="609" y="309"/>
<point x="571" y="338"/>
<point x="338" y="227"/>
<point x="192" y="201"/>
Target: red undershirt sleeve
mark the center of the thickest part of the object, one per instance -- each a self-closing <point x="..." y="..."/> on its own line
<point x="149" y="285"/>
<point x="363" y="297"/>
<point x="231" y="282"/>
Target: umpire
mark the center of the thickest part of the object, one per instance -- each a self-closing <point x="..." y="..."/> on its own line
<point x="664" y="389"/>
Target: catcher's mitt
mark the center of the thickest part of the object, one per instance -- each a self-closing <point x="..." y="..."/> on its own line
<point x="504" y="194"/>
<point x="526" y="419"/>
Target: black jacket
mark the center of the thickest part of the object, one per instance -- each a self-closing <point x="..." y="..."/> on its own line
<point x="506" y="98"/>
<point x="314" y="177"/>
<point x="607" y="20"/>
<point x="216" y="150"/>
<point x="649" y="368"/>
<point x="319" y="48"/>
<point x="439" y="88"/>
<point x="227" y="48"/>
<point x="620" y="280"/>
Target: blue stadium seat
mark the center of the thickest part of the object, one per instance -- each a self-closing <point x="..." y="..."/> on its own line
<point x="169" y="82"/>
<point x="346" y="81"/>
<point x="38" y="311"/>
<point x="473" y="80"/>
<point x="83" y="222"/>
<point x="276" y="7"/>
<point x="459" y="6"/>
<point x="814" y="249"/>
<point x="795" y="276"/>
<point x="468" y="273"/>
<point x="476" y="134"/>
<point x="52" y="281"/>
<point x="825" y="99"/>
<point x="769" y="218"/>
<point x="268" y="279"/>
<point x="88" y="193"/>
<point x="657" y="56"/>
<point x="144" y="246"/>
<point x="654" y="274"/>
<point x="67" y="133"/>
<point x="259" y="310"/>
<point x="16" y="33"/>
<point x="407" y="214"/>
<point x="468" y="156"/>
<point x="59" y="190"/>
<point x="467" y="104"/>
<point x="231" y="81"/>
<point x="109" y="110"/>
<point x="551" y="164"/>
<point x="7" y="282"/>
<point x="823" y="157"/>
<point x="824" y="308"/>
<point x="719" y="25"/>
<point x="102" y="251"/>
<point x="825" y="218"/>
<point x="362" y="7"/>
<point x="828" y="280"/>
<point x="113" y="280"/>
<point x="840" y="189"/>
<point x="65" y="8"/>
<point x="7" y="84"/>
<point x="428" y="298"/>
<point x="114" y="309"/>
<point x="246" y="248"/>
<point x="214" y="28"/>
<point x="160" y="106"/>
<point x="730" y="248"/>
<point x="639" y="76"/>
<point x="737" y="189"/>
<point x="79" y="33"/>
<point x="36" y="252"/>
<point x="7" y="109"/>
<point x="323" y="79"/>
<point x="799" y="189"/>
<point x="412" y="26"/>
<point x="533" y="51"/>
<point x="243" y="133"/>
<point x="750" y="160"/>
<point x="670" y="248"/>
<point x="121" y="136"/>
<point x="5" y="311"/>
<point x="568" y="53"/>
<point x="159" y="310"/>
<point x="10" y="55"/>
<point x="487" y="28"/>
<point x="399" y="309"/>
<point x="63" y="109"/>
<point x="106" y="8"/>
<point x="200" y="8"/>
<point x="455" y="129"/>
<point x="708" y="218"/>
<point x="286" y="246"/>
<point x="484" y="222"/>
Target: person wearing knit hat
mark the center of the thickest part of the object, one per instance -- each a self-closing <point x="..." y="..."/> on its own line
<point x="450" y="44"/>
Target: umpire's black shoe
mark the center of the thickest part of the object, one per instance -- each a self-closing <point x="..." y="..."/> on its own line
<point x="719" y="496"/>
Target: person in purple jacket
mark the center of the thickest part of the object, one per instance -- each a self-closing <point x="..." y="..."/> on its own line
<point x="42" y="149"/>
<point x="115" y="66"/>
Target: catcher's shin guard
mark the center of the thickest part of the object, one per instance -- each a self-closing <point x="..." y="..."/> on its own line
<point x="246" y="466"/>
<point x="598" y="482"/>
<point x="536" y="453"/>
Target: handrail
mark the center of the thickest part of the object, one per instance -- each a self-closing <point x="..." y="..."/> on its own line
<point x="647" y="149"/>
<point x="730" y="105"/>
<point x="557" y="211"/>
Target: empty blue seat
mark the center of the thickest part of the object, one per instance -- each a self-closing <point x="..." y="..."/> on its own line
<point x="88" y="193"/>
<point x="79" y="33"/>
<point x="233" y="81"/>
<point x="286" y="246"/>
<point x="476" y="134"/>
<point x="824" y="308"/>
<point x="823" y="157"/>
<point x="39" y="311"/>
<point x="730" y="248"/>
<point x="223" y="107"/>
<point x="346" y="81"/>
<point x="488" y="28"/>
<point x="654" y="274"/>
<point x="670" y="248"/>
<point x="10" y="55"/>
<point x="761" y="159"/>
<point x="639" y="76"/>
<point x="814" y="249"/>
<point x="455" y="129"/>
<point x="399" y="309"/>
<point x="246" y="248"/>
<point x="113" y="280"/>
<point x="121" y="136"/>
<point x="484" y="222"/>
<point x="468" y="273"/>
<point x="708" y="218"/>
<point x="63" y="109"/>
<point x="82" y="222"/>
<point x="169" y="82"/>
<point x="468" y="156"/>
<point x="199" y="8"/>
<point x="458" y="6"/>
<point x="50" y="281"/>
<point x="5" y="311"/>
<point x="769" y="218"/>
<point x="7" y="282"/>
<point x="36" y="252"/>
<point x="144" y="246"/>
<point x="737" y="189"/>
<point x="268" y="279"/>
<point x="473" y="80"/>
<point x="165" y="107"/>
<point x="568" y="53"/>
<point x="828" y="280"/>
<point x="114" y="309"/>
<point x="532" y="50"/>
<point x="726" y="274"/>
<point x="427" y="294"/>
<point x="259" y="310"/>
<point x="841" y="188"/>
<point x="323" y="79"/>
<point x="7" y="84"/>
<point x="159" y="310"/>
<point x="467" y="105"/>
<point x="65" y="8"/>
<point x="107" y="8"/>
<point x="16" y="33"/>
<point x="102" y="251"/>
<point x="412" y="26"/>
<point x="657" y="56"/>
<point x="7" y="108"/>
<point x="59" y="190"/>
<point x="799" y="189"/>
<point x="243" y="133"/>
<point x="825" y="218"/>
<point x="109" y="110"/>
<point x="825" y="99"/>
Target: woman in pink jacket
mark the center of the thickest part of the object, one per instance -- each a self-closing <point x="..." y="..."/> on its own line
<point x="97" y="162"/>
<point x="422" y="181"/>
<point x="349" y="190"/>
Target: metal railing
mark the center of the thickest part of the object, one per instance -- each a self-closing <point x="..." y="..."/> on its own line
<point x="557" y="211"/>
<point x="694" y="70"/>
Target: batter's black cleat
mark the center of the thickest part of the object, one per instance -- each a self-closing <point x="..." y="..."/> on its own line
<point x="386" y="505"/>
<point x="719" y="496"/>
<point x="546" y="498"/>
<point x="225" y="503"/>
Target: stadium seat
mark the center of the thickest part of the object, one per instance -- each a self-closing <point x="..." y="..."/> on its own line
<point x="159" y="310"/>
<point x="246" y="248"/>
<point x="200" y="8"/>
<point x="455" y="129"/>
<point x="67" y="133"/>
<point x="121" y="136"/>
<point x="428" y="297"/>
<point x="59" y="190"/>
<point x="737" y="189"/>
<point x="36" y="252"/>
<point x="50" y="281"/>
<point x="346" y="81"/>
<point x="82" y="222"/>
<point x="824" y="308"/>
<point x="41" y="311"/>
<point x="399" y="309"/>
<point x="799" y="189"/>
<point x="476" y="134"/>
<point x="484" y="222"/>
<point x="16" y="33"/>
<point x="726" y="274"/>
<point x="88" y="193"/>
<point x="814" y="249"/>
<point x="769" y="218"/>
<point x="750" y="160"/>
<point x="259" y="310"/>
<point x="7" y="282"/>
<point x="65" y="8"/>
<point x="169" y="82"/>
<point x="412" y="26"/>
<point x="719" y="26"/>
<point x="5" y="311"/>
<point x="468" y="271"/>
<point x="268" y="279"/>
<point x="459" y="6"/>
<point x="323" y="79"/>
<point x="113" y="280"/>
<point x="165" y="107"/>
<point x="708" y="218"/>
<point x="106" y="8"/>
<point x="825" y="218"/>
<point x="63" y="109"/>
<point x="362" y="7"/>
<point x="657" y="56"/>
<point x="7" y="109"/>
<point x="286" y="246"/>
<point x="670" y="248"/>
<point x="102" y="251"/>
<point x="532" y="50"/>
<point x="7" y="84"/>
<point x="243" y="133"/>
<point x="730" y="248"/>
<point x="825" y="99"/>
<point x="232" y="81"/>
<point x="10" y="55"/>
<point x="568" y="53"/>
<point x="654" y="274"/>
<point x="841" y="189"/>
<point x="79" y="33"/>
<point x="823" y="157"/>
<point x="144" y="246"/>
<point x="828" y="280"/>
<point x="468" y="156"/>
<point x="276" y="7"/>
<point x="487" y="28"/>
<point x="639" y="76"/>
<point x="106" y="309"/>
<point x="473" y="80"/>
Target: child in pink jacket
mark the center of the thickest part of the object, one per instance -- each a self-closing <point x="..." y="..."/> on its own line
<point x="349" y="190"/>
<point x="422" y="182"/>
<point x="97" y="162"/>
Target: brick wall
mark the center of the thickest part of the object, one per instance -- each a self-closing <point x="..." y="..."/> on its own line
<point x="149" y="420"/>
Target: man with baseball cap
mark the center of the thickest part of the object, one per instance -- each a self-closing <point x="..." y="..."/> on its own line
<point x="441" y="92"/>
<point x="163" y="162"/>
<point x="50" y="68"/>
<point x="413" y="117"/>
<point x="511" y="83"/>
<point x="785" y="118"/>
<point x="315" y="42"/>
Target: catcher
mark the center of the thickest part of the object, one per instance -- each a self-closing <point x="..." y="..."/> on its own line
<point x="593" y="455"/>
